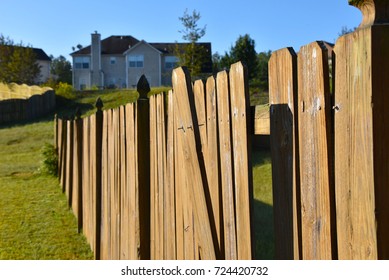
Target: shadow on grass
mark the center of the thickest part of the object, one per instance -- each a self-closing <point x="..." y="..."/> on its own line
<point x="263" y="224"/>
<point x="263" y="231"/>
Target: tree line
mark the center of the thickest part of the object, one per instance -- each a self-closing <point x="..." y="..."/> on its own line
<point x="18" y="64"/>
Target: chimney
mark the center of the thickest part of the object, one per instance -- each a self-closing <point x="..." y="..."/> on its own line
<point x="96" y="60"/>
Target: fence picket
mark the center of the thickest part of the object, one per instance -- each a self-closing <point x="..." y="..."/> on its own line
<point x="361" y="136"/>
<point x="284" y="150"/>
<point x="241" y="149"/>
<point x="212" y="165"/>
<point x="187" y="146"/>
<point x="223" y="109"/>
<point x="170" y="233"/>
<point x="315" y="152"/>
<point x="105" y="203"/>
<point x="77" y="171"/>
<point x="69" y="161"/>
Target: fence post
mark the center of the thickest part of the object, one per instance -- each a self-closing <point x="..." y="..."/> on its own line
<point x="77" y="166"/>
<point x="143" y="145"/>
<point x="98" y="153"/>
<point x="361" y="135"/>
<point x="69" y="161"/>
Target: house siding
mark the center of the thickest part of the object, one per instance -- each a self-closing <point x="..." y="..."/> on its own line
<point x="44" y="71"/>
<point x="114" y="74"/>
<point x="150" y="68"/>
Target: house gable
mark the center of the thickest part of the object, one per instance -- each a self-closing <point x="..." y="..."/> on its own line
<point x="138" y="45"/>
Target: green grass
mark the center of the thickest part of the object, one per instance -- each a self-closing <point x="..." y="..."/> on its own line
<point x="35" y="221"/>
<point x="263" y="205"/>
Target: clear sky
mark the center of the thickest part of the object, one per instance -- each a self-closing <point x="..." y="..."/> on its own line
<point x="57" y="25"/>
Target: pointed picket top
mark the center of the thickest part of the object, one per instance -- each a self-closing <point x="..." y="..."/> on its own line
<point x="78" y="113"/>
<point x="99" y="104"/>
<point x="143" y="87"/>
<point x="373" y="11"/>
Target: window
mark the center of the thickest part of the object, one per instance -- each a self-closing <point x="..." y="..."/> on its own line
<point x="135" y="61"/>
<point x="170" y="62"/>
<point x="81" y="62"/>
<point x="113" y="60"/>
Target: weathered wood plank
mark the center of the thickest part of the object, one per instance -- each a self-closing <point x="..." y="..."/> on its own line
<point x="226" y="171"/>
<point x="241" y="148"/>
<point x="124" y="233"/>
<point x="69" y="162"/>
<point x="178" y="174"/>
<point x="187" y="138"/>
<point x="212" y="164"/>
<point x="105" y="197"/>
<point x="361" y="136"/>
<point x="153" y="181"/>
<point x="86" y="217"/>
<point x="92" y="188"/>
<point x="131" y="185"/>
<point x="161" y="173"/>
<point x="77" y="172"/>
<point x="111" y="182"/>
<point x="170" y="230"/>
<point x="115" y="188"/>
<point x="314" y="152"/>
<point x="284" y="150"/>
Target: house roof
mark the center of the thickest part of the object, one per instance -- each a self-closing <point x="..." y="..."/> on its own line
<point x="41" y="55"/>
<point x="115" y="44"/>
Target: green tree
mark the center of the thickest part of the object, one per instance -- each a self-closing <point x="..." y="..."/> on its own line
<point x="263" y="70"/>
<point x="18" y="63"/>
<point x="191" y="55"/>
<point x="244" y="51"/>
<point x="61" y="68"/>
<point x="345" y="30"/>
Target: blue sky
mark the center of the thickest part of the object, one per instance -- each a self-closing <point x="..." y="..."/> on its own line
<point x="57" y="25"/>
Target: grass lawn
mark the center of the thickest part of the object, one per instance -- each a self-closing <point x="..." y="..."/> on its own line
<point x="263" y="205"/>
<point x="35" y="221"/>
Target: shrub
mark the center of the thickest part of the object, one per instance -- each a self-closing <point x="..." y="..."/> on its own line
<point x="65" y="90"/>
<point x="50" y="160"/>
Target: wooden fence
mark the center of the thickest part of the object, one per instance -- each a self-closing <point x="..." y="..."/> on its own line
<point x="165" y="178"/>
<point x="170" y="177"/>
<point x="330" y="150"/>
<point x="27" y="109"/>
